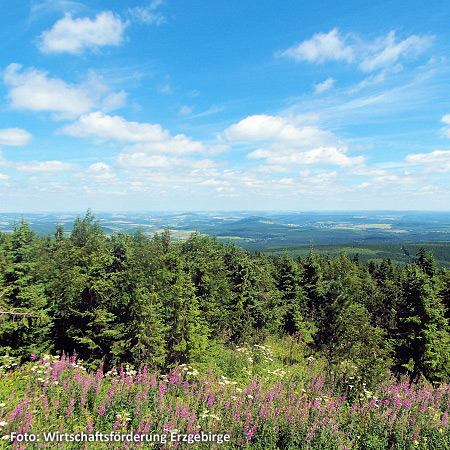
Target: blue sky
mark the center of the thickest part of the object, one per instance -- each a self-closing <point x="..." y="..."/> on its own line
<point x="224" y="105"/>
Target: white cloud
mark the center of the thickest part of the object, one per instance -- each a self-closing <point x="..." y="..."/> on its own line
<point x="34" y="90"/>
<point x="436" y="161"/>
<point x="148" y="14"/>
<point x="394" y="179"/>
<point x="321" y="178"/>
<point x="145" y="161"/>
<point x="46" y="7"/>
<point x="289" y="144"/>
<point x="74" y="36"/>
<point x="97" y="124"/>
<point x="210" y="111"/>
<point x="366" y="171"/>
<point x="382" y="53"/>
<point x="446" y="129"/>
<point x="212" y="182"/>
<point x="322" y="47"/>
<point x="113" y="101"/>
<point x="179" y="145"/>
<point x="263" y="127"/>
<point x="387" y="52"/>
<point x="14" y="137"/>
<point x="316" y="156"/>
<point x="165" y="89"/>
<point x="98" y="173"/>
<point x="45" y="166"/>
<point x="325" y="85"/>
<point x="185" y="110"/>
<point x="148" y="138"/>
<point x="3" y="177"/>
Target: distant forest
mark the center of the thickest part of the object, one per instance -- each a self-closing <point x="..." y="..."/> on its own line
<point x="127" y="298"/>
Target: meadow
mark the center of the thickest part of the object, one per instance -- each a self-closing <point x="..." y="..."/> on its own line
<point x="270" y="396"/>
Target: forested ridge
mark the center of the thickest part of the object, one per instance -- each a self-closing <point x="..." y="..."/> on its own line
<point x="127" y="298"/>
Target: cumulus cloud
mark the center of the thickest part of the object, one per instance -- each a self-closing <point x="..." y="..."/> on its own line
<point x="15" y="137"/>
<point x="322" y="47"/>
<point x="325" y="85"/>
<point x="34" y="90"/>
<point x="315" y="156"/>
<point x="74" y="36"/>
<point x="288" y="144"/>
<point x="98" y="173"/>
<point x="103" y="126"/>
<point x="382" y="53"/>
<point x="263" y="127"/>
<point x="44" y="166"/>
<point x="147" y="138"/>
<point x="436" y="161"/>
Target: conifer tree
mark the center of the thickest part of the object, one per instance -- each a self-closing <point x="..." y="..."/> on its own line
<point x="187" y="332"/>
<point x="293" y="299"/>
<point x="426" y="262"/>
<point x="25" y="324"/>
<point x="423" y="341"/>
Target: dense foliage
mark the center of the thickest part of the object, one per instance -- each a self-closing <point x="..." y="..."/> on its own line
<point x="252" y="395"/>
<point x="151" y="301"/>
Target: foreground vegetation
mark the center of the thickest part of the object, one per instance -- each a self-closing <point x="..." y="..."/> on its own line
<point x="271" y="405"/>
<point x="313" y="352"/>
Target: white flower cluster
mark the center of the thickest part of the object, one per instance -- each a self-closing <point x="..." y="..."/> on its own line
<point x="225" y="381"/>
<point x="265" y="351"/>
<point x="130" y="371"/>
<point x="189" y="370"/>
<point x="123" y="417"/>
<point x="8" y="362"/>
<point x="278" y="372"/>
<point x="206" y="415"/>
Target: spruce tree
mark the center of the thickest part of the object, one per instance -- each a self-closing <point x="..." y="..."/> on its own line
<point x="423" y="341"/>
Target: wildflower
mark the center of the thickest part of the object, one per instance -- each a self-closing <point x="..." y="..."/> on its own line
<point x="416" y="442"/>
<point x="441" y="430"/>
<point x="2" y="405"/>
<point x="2" y="424"/>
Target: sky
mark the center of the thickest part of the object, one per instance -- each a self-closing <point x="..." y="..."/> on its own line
<point x="224" y="105"/>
